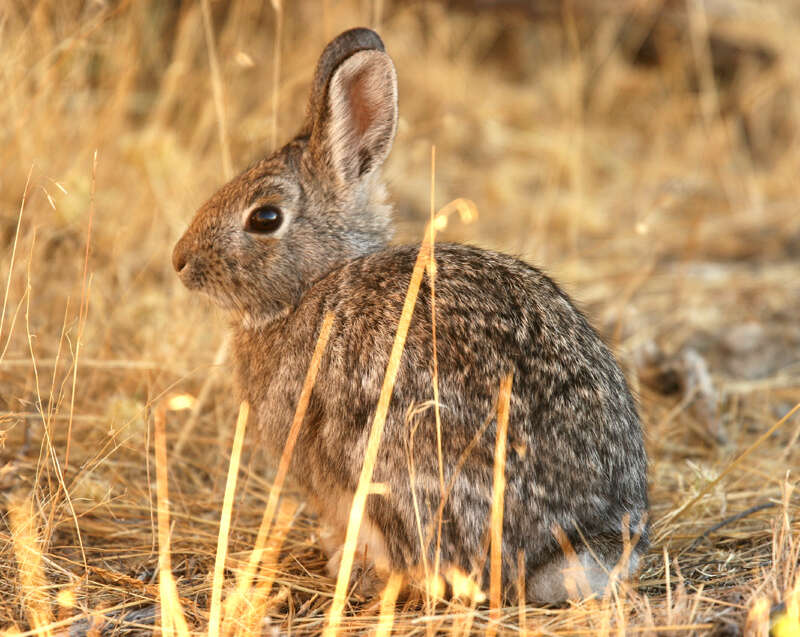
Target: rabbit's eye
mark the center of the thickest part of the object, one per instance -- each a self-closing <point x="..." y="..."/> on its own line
<point x="264" y="220"/>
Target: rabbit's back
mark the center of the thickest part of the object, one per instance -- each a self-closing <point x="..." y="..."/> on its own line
<point x="575" y="456"/>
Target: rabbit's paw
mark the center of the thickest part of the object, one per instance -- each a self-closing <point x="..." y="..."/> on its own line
<point x="364" y="580"/>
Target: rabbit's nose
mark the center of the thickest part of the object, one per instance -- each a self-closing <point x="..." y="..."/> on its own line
<point x="179" y="257"/>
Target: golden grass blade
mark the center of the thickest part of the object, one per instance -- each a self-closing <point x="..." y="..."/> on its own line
<point x="14" y="254"/>
<point x="792" y="617"/>
<point x="83" y="312"/>
<point x="46" y="423"/>
<point x="373" y="443"/>
<point x="51" y="409"/>
<point x="172" y="618"/>
<point x="435" y="377"/>
<point x="246" y="578"/>
<point x="467" y="210"/>
<point x="260" y="603"/>
<point x="668" y="586"/>
<point x="217" y="89"/>
<point x="423" y="541"/>
<point x="757" y="624"/>
<point x="33" y="584"/>
<point x="277" y="6"/>
<point x="388" y="601"/>
<point x="225" y="521"/>
<point x="498" y="503"/>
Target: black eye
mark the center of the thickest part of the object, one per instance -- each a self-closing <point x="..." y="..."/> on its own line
<point x="264" y="220"/>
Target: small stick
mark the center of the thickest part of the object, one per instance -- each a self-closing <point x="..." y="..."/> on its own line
<point x="730" y="520"/>
<point x="710" y="485"/>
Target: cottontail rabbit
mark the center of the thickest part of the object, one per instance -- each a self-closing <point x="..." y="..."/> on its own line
<point x="305" y="232"/>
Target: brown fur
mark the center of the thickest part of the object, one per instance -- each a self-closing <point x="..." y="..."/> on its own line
<point x="576" y="459"/>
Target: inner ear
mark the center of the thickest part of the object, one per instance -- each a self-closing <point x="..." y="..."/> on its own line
<point x="362" y="114"/>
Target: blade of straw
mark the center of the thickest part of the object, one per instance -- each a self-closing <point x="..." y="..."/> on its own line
<point x="172" y="617"/>
<point x="467" y="211"/>
<point x="14" y="253"/>
<point x="217" y="90"/>
<point x="276" y="70"/>
<point x="498" y="502"/>
<point x="33" y="584"/>
<point x="83" y="312"/>
<point x="388" y="600"/>
<point x="435" y="378"/>
<point x="376" y="432"/>
<point x="521" y="616"/>
<point x="225" y="521"/>
<point x="258" y="600"/>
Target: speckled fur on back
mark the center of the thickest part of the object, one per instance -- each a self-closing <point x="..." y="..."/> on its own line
<point x="575" y="457"/>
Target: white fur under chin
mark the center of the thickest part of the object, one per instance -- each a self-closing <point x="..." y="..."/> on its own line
<point x="250" y="322"/>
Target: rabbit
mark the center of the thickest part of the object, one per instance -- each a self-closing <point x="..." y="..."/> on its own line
<point x="306" y="231"/>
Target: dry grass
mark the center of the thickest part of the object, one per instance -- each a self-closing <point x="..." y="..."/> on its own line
<point x="649" y="163"/>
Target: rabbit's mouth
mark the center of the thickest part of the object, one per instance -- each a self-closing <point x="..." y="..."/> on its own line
<point x="194" y="276"/>
<point x="199" y="275"/>
<point x="219" y="293"/>
<point x="224" y="301"/>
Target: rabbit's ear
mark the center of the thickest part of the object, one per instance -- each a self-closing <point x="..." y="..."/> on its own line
<point x="362" y="107"/>
<point x="353" y="117"/>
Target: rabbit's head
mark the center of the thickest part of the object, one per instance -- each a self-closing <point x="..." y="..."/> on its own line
<point x="264" y="237"/>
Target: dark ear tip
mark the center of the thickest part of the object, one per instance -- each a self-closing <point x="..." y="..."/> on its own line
<point x="357" y="39"/>
<point x="338" y="50"/>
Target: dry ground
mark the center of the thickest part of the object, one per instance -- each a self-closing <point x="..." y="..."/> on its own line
<point x="644" y="153"/>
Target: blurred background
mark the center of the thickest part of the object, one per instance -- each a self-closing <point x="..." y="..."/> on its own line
<point x="643" y="152"/>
